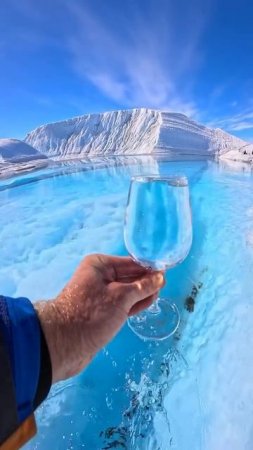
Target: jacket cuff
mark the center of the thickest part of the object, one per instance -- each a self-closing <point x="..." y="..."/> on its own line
<point x="26" y="371"/>
<point x="22" y="338"/>
<point x="45" y="376"/>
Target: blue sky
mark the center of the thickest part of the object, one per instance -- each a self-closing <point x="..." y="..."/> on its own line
<point x="62" y="58"/>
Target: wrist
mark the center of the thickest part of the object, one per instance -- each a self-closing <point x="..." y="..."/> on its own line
<point x="63" y="339"/>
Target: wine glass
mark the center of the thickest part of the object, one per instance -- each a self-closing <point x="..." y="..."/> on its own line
<point x="158" y="235"/>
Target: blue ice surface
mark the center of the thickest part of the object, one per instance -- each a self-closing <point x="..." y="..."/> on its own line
<point x="193" y="391"/>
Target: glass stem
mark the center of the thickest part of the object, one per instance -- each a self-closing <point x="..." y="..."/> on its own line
<point x="154" y="308"/>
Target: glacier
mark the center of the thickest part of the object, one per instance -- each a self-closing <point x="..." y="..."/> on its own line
<point x="133" y="132"/>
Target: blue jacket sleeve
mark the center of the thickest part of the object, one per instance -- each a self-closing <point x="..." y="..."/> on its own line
<point x="23" y="354"/>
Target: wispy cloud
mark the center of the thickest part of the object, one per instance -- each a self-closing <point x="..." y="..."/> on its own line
<point x="140" y="61"/>
<point x="136" y="53"/>
<point x="238" y="122"/>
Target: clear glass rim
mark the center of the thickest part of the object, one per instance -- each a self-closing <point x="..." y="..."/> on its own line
<point x="172" y="180"/>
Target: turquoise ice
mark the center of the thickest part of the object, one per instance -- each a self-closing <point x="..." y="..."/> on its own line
<point x="193" y="391"/>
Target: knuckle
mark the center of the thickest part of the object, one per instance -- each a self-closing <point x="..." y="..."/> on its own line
<point x="139" y="286"/>
<point x="92" y="257"/>
<point x="88" y="258"/>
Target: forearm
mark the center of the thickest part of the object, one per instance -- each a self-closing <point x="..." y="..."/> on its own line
<point x="64" y="339"/>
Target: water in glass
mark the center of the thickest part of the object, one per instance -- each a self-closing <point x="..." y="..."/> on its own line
<point x="158" y="235"/>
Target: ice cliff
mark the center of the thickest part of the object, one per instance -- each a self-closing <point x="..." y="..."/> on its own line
<point x="132" y="132"/>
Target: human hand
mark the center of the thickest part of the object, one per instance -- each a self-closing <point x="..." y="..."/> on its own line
<point x="92" y="308"/>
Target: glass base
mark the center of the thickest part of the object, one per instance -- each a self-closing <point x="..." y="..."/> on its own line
<point x="158" y="322"/>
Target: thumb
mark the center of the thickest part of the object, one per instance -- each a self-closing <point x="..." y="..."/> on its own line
<point x="149" y="284"/>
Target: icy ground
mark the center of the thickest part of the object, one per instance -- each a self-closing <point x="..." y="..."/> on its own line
<point x="192" y="392"/>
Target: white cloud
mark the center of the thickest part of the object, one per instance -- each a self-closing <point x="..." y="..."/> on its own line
<point x="238" y="122"/>
<point x="140" y="61"/>
<point x="135" y="53"/>
<point x="242" y="125"/>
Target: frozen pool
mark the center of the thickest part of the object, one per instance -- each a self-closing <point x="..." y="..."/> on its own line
<point x="193" y="391"/>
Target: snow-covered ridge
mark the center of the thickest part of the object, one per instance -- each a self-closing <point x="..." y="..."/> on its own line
<point x="118" y="132"/>
<point x="14" y="150"/>
<point x="136" y="131"/>
<point x="17" y="156"/>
